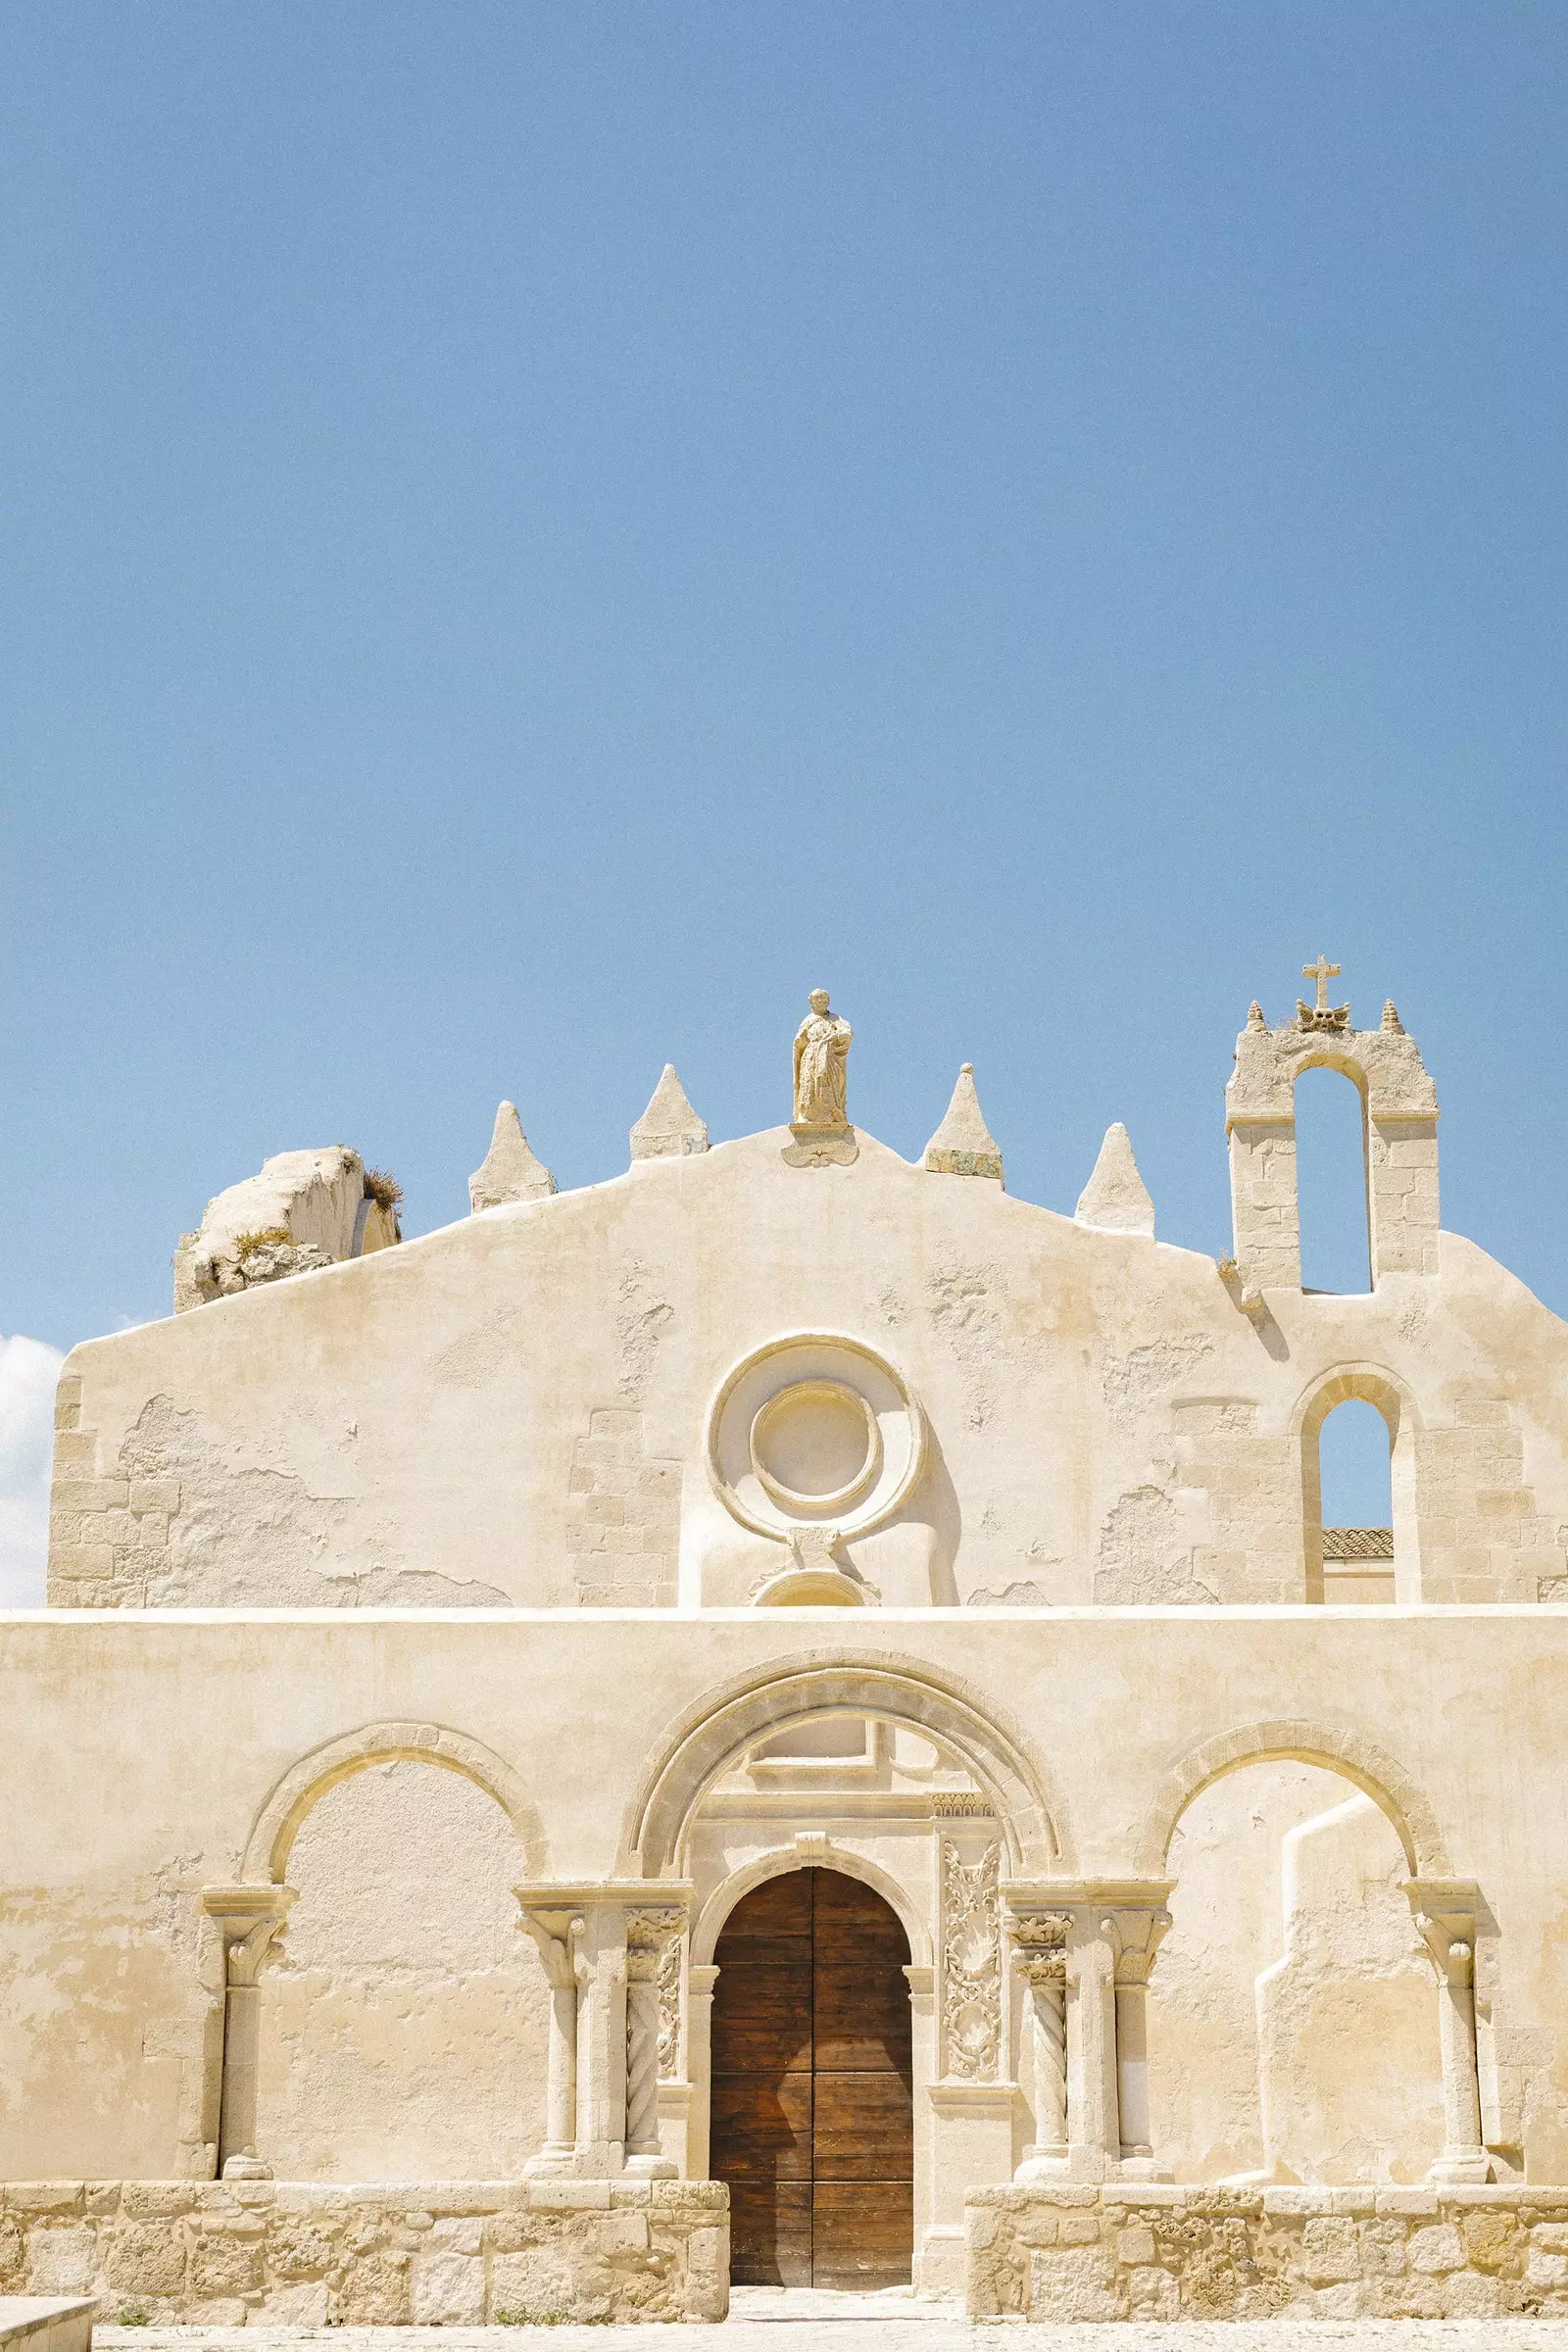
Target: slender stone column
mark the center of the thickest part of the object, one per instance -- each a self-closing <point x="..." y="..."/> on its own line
<point x="1106" y="1931"/>
<point x="1040" y="1955"/>
<point x="1094" y="2136"/>
<point x="700" y="1982"/>
<point x="1139" y="1934"/>
<point x="555" y="1935"/>
<point x="250" y="1919"/>
<point x="1446" y="1920"/>
<point x="605" y="2021"/>
<point x="649" y="1935"/>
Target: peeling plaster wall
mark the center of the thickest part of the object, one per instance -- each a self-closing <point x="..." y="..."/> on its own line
<point x="1292" y="2020"/>
<point x="1347" y="2028"/>
<point x="148" y="1745"/>
<point x="106" y="2009"/>
<point x="1106" y="1425"/>
<point x="402" y="2032"/>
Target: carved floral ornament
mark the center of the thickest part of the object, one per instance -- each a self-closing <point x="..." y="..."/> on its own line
<point x="1039" y="1940"/>
<point x="654" y="1941"/>
<point x="971" y="1964"/>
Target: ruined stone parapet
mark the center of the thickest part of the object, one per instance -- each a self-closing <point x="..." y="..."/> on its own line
<point x="1138" y="2251"/>
<point x="282" y="2254"/>
<point x="305" y="1210"/>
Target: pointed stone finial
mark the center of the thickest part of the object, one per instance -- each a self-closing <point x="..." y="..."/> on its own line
<point x="1116" y="1199"/>
<point x="669" y="1128"/>
<point x="509" y="1172"/>
<point x="1254" y="1016"/>
<point x="1391" y="1019"/>
<point x="963" y="1145"/>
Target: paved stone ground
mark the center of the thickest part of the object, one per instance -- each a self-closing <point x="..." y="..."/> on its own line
<point x="810" y="2319"/>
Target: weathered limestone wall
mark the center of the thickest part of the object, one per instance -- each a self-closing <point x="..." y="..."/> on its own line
<point x="1156" y="2253"/>
<point x="1292" y="2025"/>
<point x="513" y="1411"/>
<point x="285" y="2255"/>
<point x="150" y="1745"/>
<point x="403" y="2025"/>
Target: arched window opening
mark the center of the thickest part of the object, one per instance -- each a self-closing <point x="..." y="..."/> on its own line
<point x="1331" y="1182"/>
<point x="1356" y="1504"/>
<point x="1293" y="2032"/>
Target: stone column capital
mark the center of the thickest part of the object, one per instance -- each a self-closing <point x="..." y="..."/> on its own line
<point x="554" y="1933"/>
<point x="1444" y="1911"/>
<point x="251" y="1918"/>
<point x="1039" y="1945"/>
<point x="1127" y="1914"/>
<point x="649" y="1935"/>
<point x="601" y="1895"/>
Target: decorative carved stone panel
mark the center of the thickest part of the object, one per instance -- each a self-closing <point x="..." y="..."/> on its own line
<point x="971" y="1965"/>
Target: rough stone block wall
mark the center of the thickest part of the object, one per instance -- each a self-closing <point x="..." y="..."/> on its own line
<point x="625" y="1510"/>
<point x="106" y="1535"/>
<point x="1264" y="1214"/>
<point x="1482" y="1538"/>
<point x="273" y="2253"/>
<point x="1402" y="1167"/>
<point x="1254" y="1550"/>
<point x="1175" y="2253"/>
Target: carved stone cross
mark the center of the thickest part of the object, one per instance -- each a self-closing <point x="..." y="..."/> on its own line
<point x="1322" y="972"/>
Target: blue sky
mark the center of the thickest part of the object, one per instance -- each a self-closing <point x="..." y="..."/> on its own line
<point x="534" y="535"/>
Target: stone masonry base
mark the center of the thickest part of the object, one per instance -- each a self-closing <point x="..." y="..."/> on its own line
<point x="279" y="2253"/>
<point x="1142" y="2252"/>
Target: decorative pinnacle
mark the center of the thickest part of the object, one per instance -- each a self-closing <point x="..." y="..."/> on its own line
<point x="1392" y="1020"/>
<point x="1255" y="1017"/>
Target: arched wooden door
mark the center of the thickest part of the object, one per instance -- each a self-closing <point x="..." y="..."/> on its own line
<point x="812" y="2121"/>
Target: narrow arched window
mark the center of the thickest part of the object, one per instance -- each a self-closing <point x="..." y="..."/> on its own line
<point x="1330" y="1179"/>
<point x="1356" y="1504"/>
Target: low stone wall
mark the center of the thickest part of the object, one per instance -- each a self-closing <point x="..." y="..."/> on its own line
<point x="279" y="2253"/>
<point x="1144" y="2253"/>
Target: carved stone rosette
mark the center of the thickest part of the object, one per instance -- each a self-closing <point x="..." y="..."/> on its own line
<point x="971" y="1965"/>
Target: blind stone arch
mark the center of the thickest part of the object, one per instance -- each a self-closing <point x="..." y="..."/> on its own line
<point x="1371" y="1769"/>
<point x="278" y="1823"/>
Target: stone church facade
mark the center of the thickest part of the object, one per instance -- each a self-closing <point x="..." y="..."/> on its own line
<point x="791" y="1716"/>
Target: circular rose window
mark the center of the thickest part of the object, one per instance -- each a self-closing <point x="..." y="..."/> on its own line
<point x="813" y="1429"/>
<point x="815" y="1446"/>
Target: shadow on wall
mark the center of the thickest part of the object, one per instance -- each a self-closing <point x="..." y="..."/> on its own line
<point x="1293" y="2018"/>
<point x="404" y="2025"/>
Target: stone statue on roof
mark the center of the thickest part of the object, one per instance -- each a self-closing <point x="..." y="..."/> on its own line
<point x="822" y="1065"/>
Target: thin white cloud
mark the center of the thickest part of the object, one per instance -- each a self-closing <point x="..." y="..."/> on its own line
<point x="28" y="1371"/>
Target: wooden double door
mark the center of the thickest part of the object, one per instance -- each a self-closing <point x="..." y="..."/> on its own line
<point x="813" y="2122"/>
